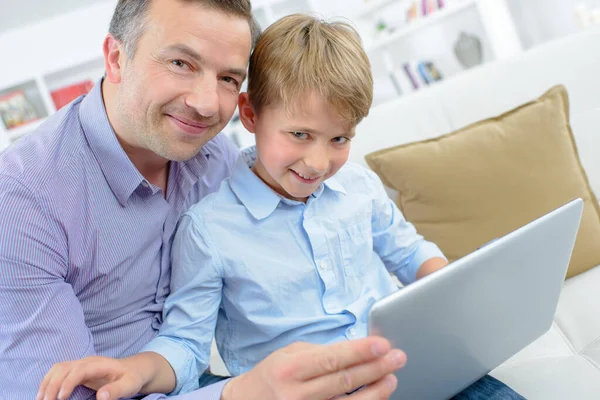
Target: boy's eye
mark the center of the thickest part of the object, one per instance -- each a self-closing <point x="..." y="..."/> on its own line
<point x="340" y="140"/>
<point x="300" y="135"/>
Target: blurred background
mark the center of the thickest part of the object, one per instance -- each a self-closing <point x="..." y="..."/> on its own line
<point x="52" y="49"/>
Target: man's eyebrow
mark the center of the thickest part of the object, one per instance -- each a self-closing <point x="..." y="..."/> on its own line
<point x="182" y="48"/>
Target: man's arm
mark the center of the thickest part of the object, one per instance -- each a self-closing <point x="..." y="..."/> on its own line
<point x="41" y="319"/>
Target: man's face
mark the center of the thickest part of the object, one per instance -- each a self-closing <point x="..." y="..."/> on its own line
<point x="181" y="86"/>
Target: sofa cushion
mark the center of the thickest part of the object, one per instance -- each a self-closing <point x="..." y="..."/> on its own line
<point x="468" y="187"/>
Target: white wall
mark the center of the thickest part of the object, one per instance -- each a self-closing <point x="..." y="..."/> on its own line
<point x="539" y="21"/>
<point x="17" y="13"/>
<point x="53" y="44"/>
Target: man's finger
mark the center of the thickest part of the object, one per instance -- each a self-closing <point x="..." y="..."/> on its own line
<point x="324" y="360"/>
<point x="382" y="389"/>
<point x="347" y="381"/>
<point x="298" y="347"/>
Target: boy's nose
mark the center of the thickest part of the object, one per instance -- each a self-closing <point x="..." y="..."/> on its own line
<point x="317" y="161"/>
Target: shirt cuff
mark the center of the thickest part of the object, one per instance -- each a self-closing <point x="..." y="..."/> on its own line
<point x="426" y="251"/>
<point x="181" y="360"/>
<point x="212" y="392"/>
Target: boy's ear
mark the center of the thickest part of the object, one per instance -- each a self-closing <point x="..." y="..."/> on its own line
<point x="247" y="115"/>
<point x="113" y="59"/>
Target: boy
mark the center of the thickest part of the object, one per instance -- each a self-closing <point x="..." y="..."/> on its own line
<point x="295" y="245"/>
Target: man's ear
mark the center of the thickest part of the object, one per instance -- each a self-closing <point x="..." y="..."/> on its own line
<point x="247" y="115"/>
<point x="114" y="57"/>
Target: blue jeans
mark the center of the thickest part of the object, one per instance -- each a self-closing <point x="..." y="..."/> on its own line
<point x="487" y="388"/>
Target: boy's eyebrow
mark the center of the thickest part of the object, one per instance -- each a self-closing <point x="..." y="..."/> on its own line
<point x="182" y="48"/>
<point x="350" y="134"/>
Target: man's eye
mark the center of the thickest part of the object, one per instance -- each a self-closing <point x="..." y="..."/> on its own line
<point x="179" y="63"/>
<point x="300" y="135"/>
<point x="229" y="79"/>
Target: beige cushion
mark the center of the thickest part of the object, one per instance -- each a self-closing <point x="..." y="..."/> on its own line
<point x="468" y="187"/>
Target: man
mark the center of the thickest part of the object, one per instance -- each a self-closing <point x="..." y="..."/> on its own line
<point x="90" y="201"/>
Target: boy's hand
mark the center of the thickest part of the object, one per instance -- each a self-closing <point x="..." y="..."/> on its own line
<point x="112" y="379"/>
<point x="306" y="371"/>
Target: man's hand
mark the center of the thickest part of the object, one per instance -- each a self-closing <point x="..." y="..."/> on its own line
<point x="306" y="371"/>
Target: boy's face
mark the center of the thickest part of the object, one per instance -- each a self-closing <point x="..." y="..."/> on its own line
<point x="297" y="151"/>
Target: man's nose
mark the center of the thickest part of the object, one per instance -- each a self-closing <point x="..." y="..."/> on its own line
<point x="204" y="97"/>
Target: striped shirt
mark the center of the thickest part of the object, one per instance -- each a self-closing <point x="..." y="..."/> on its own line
<point x="85" y="244"/>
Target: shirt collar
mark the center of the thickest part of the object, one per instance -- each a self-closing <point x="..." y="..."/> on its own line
<point x="258" y="198"/>
<point x="335" y="185"/>
<point x="120" y="173"/>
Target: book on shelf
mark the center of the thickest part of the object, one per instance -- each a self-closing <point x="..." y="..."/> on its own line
<point x="16" y="110"/>
<point x="422" y="8"/>
<point x="66" y="94"/>
<point x="414" y="75"/>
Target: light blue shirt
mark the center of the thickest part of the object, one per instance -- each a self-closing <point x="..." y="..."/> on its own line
<point x="266" y="271"/>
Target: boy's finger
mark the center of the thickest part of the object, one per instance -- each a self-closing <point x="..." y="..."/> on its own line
<point x="43" y="385"/>
<point x="54" y="382"/>
<point x="325" y="360"/>
<point x="124" y="387"/>
<point x="77" y="376"/>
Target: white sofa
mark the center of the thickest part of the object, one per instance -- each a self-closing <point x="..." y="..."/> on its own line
<point x="565" y="362"/>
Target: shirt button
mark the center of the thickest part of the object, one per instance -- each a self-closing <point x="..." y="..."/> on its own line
<point x="324" y="265"/>
<point x="145" y="184"/>
<point x="352" y="332"/>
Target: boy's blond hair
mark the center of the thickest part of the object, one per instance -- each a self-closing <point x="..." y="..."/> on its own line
<point x="300" y="54"/>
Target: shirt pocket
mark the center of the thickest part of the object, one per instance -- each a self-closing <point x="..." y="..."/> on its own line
<point x="356" y="243"/>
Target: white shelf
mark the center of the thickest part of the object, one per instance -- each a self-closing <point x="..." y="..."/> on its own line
<point x="15" y="133"/>
<point x="372" y="7"/>
<point x="421" y="23"/>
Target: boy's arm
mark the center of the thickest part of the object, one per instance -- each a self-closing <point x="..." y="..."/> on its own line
<point x="112" y="378"/>
<point x="430" y="266"/>
<point x="190" y="311"/>
<point x="404" y="252"/>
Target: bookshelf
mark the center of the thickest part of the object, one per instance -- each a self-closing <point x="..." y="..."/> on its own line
<point x="422" y="23"/>
<point x="51" y="56"/>
<point x="48" y="56"/>
<point x="393" y="42"/>
<point x="38" y="92"/>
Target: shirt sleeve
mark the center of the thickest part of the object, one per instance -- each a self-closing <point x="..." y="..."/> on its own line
<point x="191" y="309"/>
<point x="396" y="240"/>
<point x="41" y="320"/>
<point x="212" y="392"/>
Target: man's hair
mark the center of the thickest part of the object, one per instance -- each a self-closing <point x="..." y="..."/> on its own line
<point x="299" y="55"/>
<point x="129" y="19"/>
